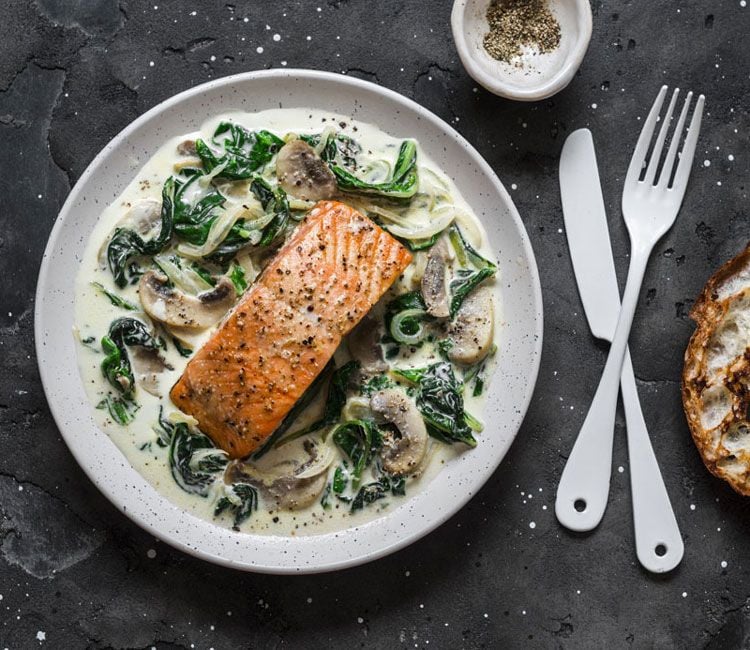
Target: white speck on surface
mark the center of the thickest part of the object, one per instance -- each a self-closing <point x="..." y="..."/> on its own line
<point x="730" y="157"/>
<point x="544" y="507"/>
<point x="684" y="594"/>
<point x="259" y="49"/>
<point x="151" y="554"/>
<point x="41" y="636"/>
<point x="514" y="186"/>
<point x="151" y="64"/>
<point x="523" y="611"/>
<point x="308" y="38"/>
<point x="486" y="615"/>
<point x="213" y="57"/>
<point x="39" y="196"/>
<point x="193" y="13"/>
<point x="723" y="564"/>
<point x="407" y="573"/>
<point x="532" y="524"/>
<point x="706" y="163"/>
<point x="245" y="20"/>
<point x="594" y="106"/>
<point x="360" y="620"/>
<point x="692" y="506"/>
<point x="743" y="3"/>
<point x="283" y="63"/>
<point x="277" y="37"/>
<point x="621" y="469"/>
<point x="309" y="600"/>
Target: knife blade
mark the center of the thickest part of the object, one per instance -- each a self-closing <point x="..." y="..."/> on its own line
<point x="658" y="541"/>
<point x="588" y="235"/>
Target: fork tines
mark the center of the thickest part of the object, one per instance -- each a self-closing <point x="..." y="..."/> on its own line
<point x="647" y="166"/>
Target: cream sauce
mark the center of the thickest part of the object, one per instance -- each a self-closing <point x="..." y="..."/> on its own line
<point x="137" y="440"/>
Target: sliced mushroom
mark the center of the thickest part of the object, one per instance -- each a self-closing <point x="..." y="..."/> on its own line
<point x="187" y="148"/>
<point x="472" y="330"/>
<point x="402" y="452"/>
<point x="173" y="307"/>
<point x="293" y="475"/>
<point x="303" y="174"/>
<point x="433" y="282"/>
<point x="147" y="368"/>
<point x="364" y="346"/>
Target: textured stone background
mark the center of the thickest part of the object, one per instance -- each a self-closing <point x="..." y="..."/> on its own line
<point x="76" y="573"/>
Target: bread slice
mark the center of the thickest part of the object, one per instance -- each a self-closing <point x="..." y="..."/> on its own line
<point x="716" y="376"/>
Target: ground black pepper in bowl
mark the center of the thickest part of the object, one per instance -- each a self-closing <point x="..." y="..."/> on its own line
<point x="517" y="23"/>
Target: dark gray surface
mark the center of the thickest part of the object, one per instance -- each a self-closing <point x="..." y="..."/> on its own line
<point x="77" y="572"/>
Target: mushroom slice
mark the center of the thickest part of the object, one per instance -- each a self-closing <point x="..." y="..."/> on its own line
<point x="433" y="282"/>
<point x="473" y="328"/>
<point x="147" y="368"/>
<point x="364" y="346"/>
<point x="303" y="174"/>
<point x="293" y="475"/>
<point x="402" y="452"/>
<point x="187" y="148"/>
<point x="173" y="307"/>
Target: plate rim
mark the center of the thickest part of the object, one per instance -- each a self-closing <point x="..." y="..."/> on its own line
<point x="169" y="537"/>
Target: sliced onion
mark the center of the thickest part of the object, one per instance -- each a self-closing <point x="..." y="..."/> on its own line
<point x="437" y="224"/>
<point x="205" y="180"/>
<point x="356" y="408"/>
<point x="324" y="137"/>
<point x="218" y="233"/>
<point x="469" y="229"/>
<point x="185" y="279"/>
<point x="408" y="339"/>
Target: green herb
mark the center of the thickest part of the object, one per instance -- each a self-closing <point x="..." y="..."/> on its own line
<point x="183" y="350"/>
<point x="404" y="181"/>
<point x="440" y="402"/>
<point x="334" y="402"/>
<point x="244" y="152"/>
<point x="340" y="479"/>
<point x="374" y="384"/>
<point x="237" y="276"/>
<point x="337" y="147"/>
<point x="359" y="440"/>
<point x="204" y="273"/>
<point x="116" y="364"/>
<point x="192" y="476"/>
<point x="126" y="244"/>
<point x="116" y="300"/>
<point x="120" y="410"/>
<point x="242" y="502"/>
<point x="444" y="346"/>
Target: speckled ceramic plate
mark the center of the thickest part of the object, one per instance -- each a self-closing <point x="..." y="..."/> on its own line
<point x="520" y="335"/>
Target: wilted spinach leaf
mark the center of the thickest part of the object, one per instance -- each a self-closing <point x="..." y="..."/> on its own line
<point x="241" y="500"/>
<point x="244" y="152"/>
<point x="126" y="244"/>
<point x="116" y="364"/>
<point x="194" y="475"/>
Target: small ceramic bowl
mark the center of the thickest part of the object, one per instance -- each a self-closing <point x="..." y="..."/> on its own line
<point x="535" y="76"/>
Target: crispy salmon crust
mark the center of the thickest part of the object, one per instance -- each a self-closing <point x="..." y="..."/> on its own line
<point x="279" y="337"/>
<point x="716" y="374"/>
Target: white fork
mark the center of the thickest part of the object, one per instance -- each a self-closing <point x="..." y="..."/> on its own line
<point x="650" y="207"/>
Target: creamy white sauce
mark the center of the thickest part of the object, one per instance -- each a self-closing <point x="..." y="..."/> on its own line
<point x="137" y="440"/>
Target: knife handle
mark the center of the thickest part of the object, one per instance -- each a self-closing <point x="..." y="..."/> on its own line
<point x="658" y="543"/>
<point x="584" y="485"/>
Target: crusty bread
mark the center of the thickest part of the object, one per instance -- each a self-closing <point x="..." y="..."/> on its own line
<point x="716" y="376"/>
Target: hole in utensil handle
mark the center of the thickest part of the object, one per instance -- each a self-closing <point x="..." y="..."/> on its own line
<point x="661" y="550"/>
<point x="580" y="505"/>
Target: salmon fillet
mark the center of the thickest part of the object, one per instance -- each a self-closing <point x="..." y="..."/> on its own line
<point x="279" y="337"/>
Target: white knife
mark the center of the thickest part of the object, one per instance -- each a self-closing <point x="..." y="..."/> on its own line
<point x="659" y="545"/>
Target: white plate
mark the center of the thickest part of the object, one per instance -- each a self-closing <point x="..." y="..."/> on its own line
<point x="510" y="390"/>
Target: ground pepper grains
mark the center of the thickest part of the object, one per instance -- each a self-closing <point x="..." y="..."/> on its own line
<point x="515" y="23"/>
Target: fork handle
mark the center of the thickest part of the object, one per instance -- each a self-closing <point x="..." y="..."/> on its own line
<point x="584" y="485"/>
<point x="658" y="543"/>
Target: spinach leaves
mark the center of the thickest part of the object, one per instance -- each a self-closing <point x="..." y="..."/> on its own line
<point x="334" y="402"/>
<point x="404" y="181"/>
<point x="440" y="402"/>
<point x="193" y="458"/>
<point x="371" y="492"/>
<point x="244" y="152"/>
<point x="466" y="280"/>
<point x="116" y="364"/>
<point x="359" y="440"/>
<point x="405" y="316"/>
<point x="241" y="500"/>
<point x="126" y="244"/>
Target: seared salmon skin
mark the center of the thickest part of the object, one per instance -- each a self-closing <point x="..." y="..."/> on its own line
<point x="283" y="331"/>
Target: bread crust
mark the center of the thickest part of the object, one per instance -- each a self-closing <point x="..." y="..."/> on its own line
<point x="710" y="313"/>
